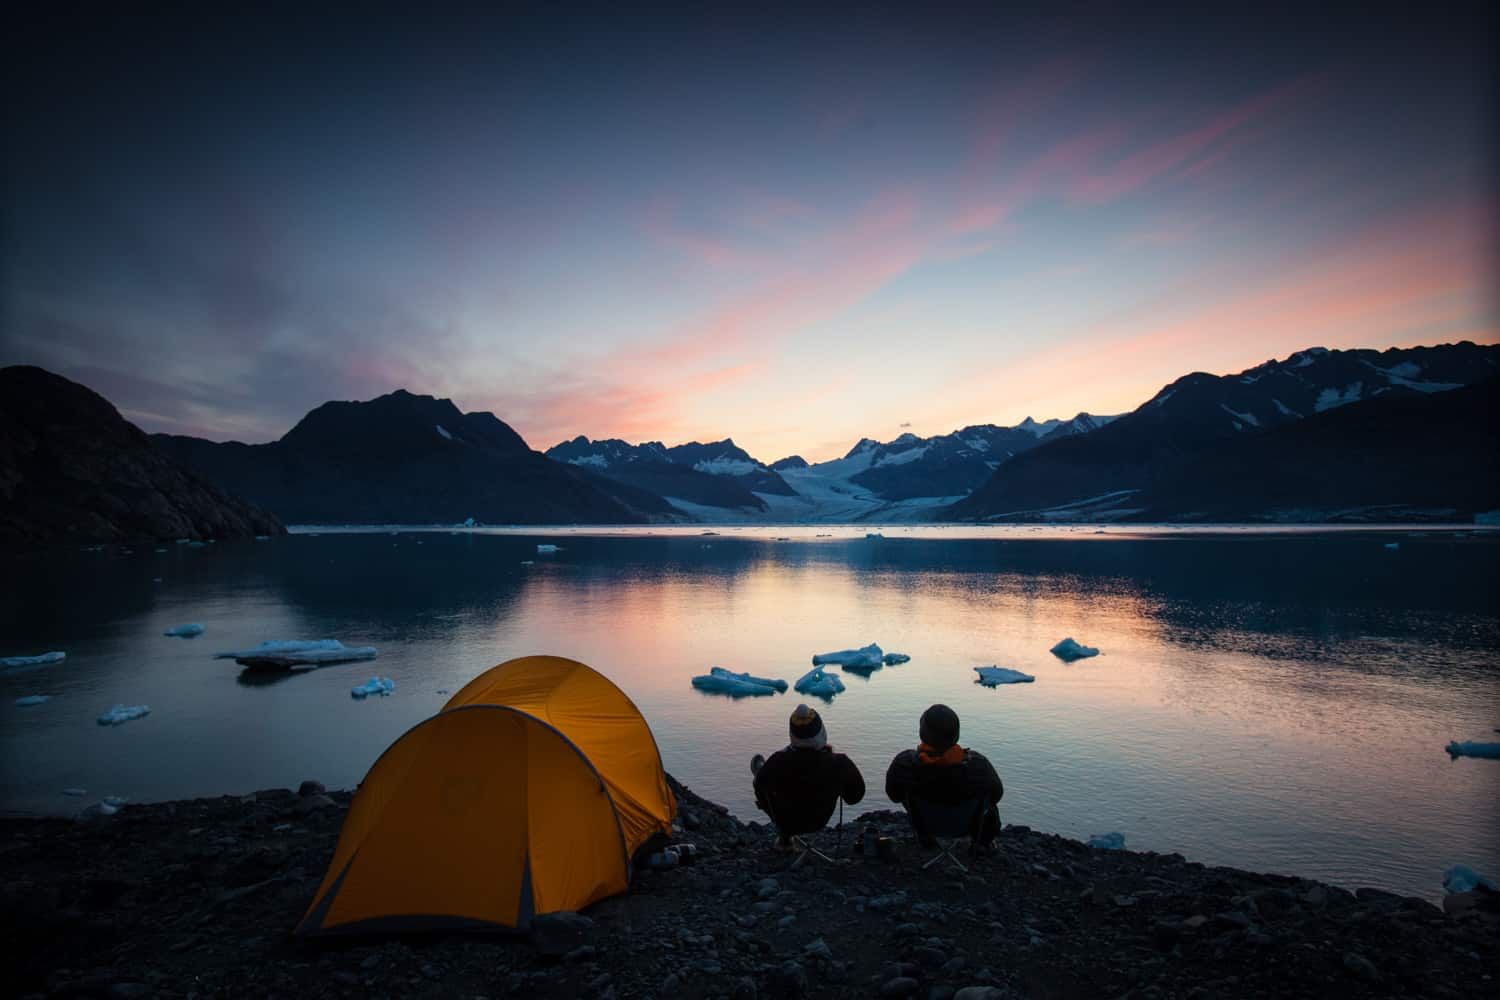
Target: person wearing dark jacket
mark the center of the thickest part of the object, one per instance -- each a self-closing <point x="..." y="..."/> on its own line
<point x="942" y="771"/>
<point x="799" y="786"/>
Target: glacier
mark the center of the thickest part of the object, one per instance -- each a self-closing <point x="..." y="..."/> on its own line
<point x="721" y="681"/>
<point x="32" y="661"/>
<point x="1470" y="748"/>
<point x="185" y="631"/>
<point x="1069" y="650"/>
<point x="298" y="652"/>
<point x="819" y="684"/>
<point x="991" y="676"/>
<point x="375" y="685"/>
<point x="866" y="658"/>
<point x="118" y="714"/>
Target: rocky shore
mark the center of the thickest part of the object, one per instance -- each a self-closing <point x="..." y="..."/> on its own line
<point x="198" y="898"/>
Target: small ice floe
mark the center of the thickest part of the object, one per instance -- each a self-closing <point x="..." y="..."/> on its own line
<point x="891" y="659"/>
<point x="1462" y="878"/>
<point x="159" y="551"/>
<point x="197" y="545"/>
<point x="75" y="792"/>
<point x="1070" y="650"/>
<point x="115" y="800"/>
<point x="1391" y="546"/>
<point x="873" y="536"/>
<point x="262" y="538"/>
<point x="991" y="676"/>
<point x="124" y="713"/>
<point x="721" y="681"/>
<point x="97" y="810"/>
<point x="867" y="657"/>
<point x="33" y="699"/>
<point x="546" y="549"/>
<point x="187" y="631"/>
<point x="38" y="660"/>
<point x="1472" y="748"/>
<point x="375" y="685"/>
<point x="1114" y="841"/>
<point x="298" y="652"/>
<point x="468" y="523"/>
<point x="183" y="541"/>
<point x="528" y="562"/>
<point x="819" y="684"/>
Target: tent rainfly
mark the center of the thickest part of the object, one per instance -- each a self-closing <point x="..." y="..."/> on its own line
<point x="528" y="793"/>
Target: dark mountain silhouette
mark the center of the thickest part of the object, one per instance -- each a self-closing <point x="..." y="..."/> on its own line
<point x="409" y="459"/>
<point x="1138" y="466"/>
<point x="790" y="462"/>
<point x="72" y="468"/>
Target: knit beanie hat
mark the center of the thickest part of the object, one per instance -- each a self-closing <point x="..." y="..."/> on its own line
<point x="807" y="729"/>
<point x="939" y="727"/>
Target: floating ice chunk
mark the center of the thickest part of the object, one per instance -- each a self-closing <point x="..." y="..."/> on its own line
<point x="1070" y="650"/>
<point x="124" y="713"/>
<point x="873" y="536"/>
<point x="115" y="800"/>
<point x="98" y="809"/>
<point x="819" y="684"/>
<point x="183" y="541"/>
<point x="444" y="432"/>
<point x="990" y="676"/>
<point x="721" y="681"/>
<point x="891" y="659"/>
<point x="33" y="699"/>
<point x="469" y="522"/>
<point x="75" y="792"/>
<point x="1472" y="749"/>
<point x="528" y="562"/>
<point x="1462" y="878"/>
<point x="545" y="548"/>
<point x="185" y="631"/>
<point x="1108" y="841"/>
<point x="258" y="538"/>
<point x="375" y="685"/>
<point x="298" y="652"/>
<point x="1391" y="546"/>
<point x="32" y="661"/>
<point x="868" y="657"/>
<point x="197" y="545"/>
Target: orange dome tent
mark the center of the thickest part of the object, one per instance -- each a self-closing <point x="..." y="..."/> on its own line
<point x="528" y="793"/>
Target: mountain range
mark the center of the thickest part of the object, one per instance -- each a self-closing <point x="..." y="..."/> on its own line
<point x="1322" y="435"/>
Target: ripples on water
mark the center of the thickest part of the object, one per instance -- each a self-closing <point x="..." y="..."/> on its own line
<point x="1273" y="700"/>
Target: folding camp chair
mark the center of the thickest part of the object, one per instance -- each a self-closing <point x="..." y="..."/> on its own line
<point x="946" y="823"/>
<point x="805" y="842"/>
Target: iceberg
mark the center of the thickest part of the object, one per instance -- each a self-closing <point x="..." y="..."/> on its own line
<point x="1070" y="650"/>
<point x="32" y="661"/>
<point x="375" y="685"/>
<point x="867" y="657"/>
<point x="546" y="548"/>
<point x="891" y="659"/>
<point x="819" y="684"/>
<point x="1462" y="878"/>
<point x="1114" y="841"/>
<point x="33" y="699"/>
<point x="1470" y="748"/>
<point x="990" y="676"/>
<point x="1391" y="546"/>
<point x="124" y="713"/>
<point x="468" y="523"/>
<point x="185" y="631"/>
<point x="721" y="681"/>
<point x="298" y="652"/>
<point x="873" y="536"/>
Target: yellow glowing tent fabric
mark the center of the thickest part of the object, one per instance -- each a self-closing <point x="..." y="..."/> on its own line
<point x="528" y="793"/>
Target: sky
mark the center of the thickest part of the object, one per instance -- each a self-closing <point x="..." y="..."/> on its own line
<point x="792" y="230"/>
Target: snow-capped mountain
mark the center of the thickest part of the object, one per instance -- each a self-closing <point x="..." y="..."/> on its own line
<point x="715" y="475"/>
<point x="1122" y="470"/>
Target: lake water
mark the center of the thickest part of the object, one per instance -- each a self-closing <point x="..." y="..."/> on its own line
<point x="1270" y="699"/>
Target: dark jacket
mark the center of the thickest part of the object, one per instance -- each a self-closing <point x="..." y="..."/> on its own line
<point x="802" y="786"/>
<point x="974" y="777"/>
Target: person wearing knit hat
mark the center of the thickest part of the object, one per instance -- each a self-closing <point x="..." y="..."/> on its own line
<point x="799" y="786"/>
<point x="942" y="771"/>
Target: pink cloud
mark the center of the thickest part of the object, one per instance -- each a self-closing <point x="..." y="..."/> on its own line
<point x="1156" y="161"/>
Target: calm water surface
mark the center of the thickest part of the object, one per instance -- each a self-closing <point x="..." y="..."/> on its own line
<point x="1267" y="699"/>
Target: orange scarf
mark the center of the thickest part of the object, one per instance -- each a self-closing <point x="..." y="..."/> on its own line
<point x="952" y="755"/>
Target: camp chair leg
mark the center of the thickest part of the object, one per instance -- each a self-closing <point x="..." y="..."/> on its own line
<point x="944" y="853"/>
<point x="807" y="848"/>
